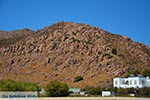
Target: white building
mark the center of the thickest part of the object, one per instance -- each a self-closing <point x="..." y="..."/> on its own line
<point x="77" y="91"/>
<point x="107" y="93"/>
<point x="132" y="81"/>
<point x="148" y="82"/>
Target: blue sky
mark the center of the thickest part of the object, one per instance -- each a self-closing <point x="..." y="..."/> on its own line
<point x="125" y="17"/>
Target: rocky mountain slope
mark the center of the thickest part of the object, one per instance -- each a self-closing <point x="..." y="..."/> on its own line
<point x="13" y="36"/>
<point x="65" y="50"/>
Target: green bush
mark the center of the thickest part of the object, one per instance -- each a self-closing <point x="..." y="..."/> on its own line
<point x="133" y="72"/>
<point x="146" y="73"/>
<point x="57" y="89"/>
<point x="11" y="85"/>
<point x="139" y="92"/>
<point x="114" y="51"/>
<point x="78" y="78"/>
<point x="93" y="90"/>
<point x="143" y="92"/>
<point x="122" y="92"/>
<point x="97" y="91"/>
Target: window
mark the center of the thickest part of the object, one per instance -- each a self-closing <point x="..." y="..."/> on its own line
<point x="130" y="82"/>
<point x="127" y="82"/>
<point x="116" y="82"/>
<point x="135" y="82"/>
<point x="143" y="82"/>
<point x="123" y="82"/>
<point x="148" y="84"/>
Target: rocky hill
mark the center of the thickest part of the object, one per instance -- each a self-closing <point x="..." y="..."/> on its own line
<point x="65" y="50"/>
<point x="13" y="36"/>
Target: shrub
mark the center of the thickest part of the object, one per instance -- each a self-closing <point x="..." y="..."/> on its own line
<point x="146" y="73"/>
<point x="122" y="92"/>
<point x="143" y="92"/>
<point x="93" y="90"/>
<point x="78" y="78"/>
<point x="114" y="51"/>
<point x="133" y="72"/>
<point x="75" y="39"/>
<point x="11" y="85"/>
<point x="97" y="91"/>
<point x="140" y="92"/>
<point x="57" y="89"/>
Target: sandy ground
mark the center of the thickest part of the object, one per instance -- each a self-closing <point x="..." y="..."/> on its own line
<point x="80" y="98"/>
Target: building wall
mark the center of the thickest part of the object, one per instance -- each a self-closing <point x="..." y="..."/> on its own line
<point x="75" y="90"/>
<point x="107" y="93"/>
<point x="148" y="82"/>
<point x="117" y="82"/>
<point x="131" y="82"/>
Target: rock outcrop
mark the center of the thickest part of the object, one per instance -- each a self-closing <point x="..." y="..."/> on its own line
<point x="65" y="50"/>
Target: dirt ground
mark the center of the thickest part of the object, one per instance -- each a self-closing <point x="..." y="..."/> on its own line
<point x="80" y="98"/>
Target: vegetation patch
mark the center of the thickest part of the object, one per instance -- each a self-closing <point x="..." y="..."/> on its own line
<point x="57" y="89"/>
<point x="78" y="78"/>
<point x="133" y="72"/>
<point x="146" y="73"/>
<point x="114" y="51"/>
<point x="95" y="91"/>
<point x="11" y="85"/>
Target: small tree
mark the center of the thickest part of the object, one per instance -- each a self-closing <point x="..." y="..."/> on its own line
<point x="57" y="89"/>
<point x="78" y="78"/>
<point x="97" y="91"/>
<point x="133" y="72"/>
<point x="93" y="90"/>
<point x="122" y="92"/>
<point x="146" y="73"/>
<point x="114" y="51"/>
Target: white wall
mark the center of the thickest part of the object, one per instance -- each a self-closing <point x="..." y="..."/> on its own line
<point x="148" y="82"/>
<point x="132" y="82"/>
<point x="106" y="93"/>
<point x="119" y="81"/>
